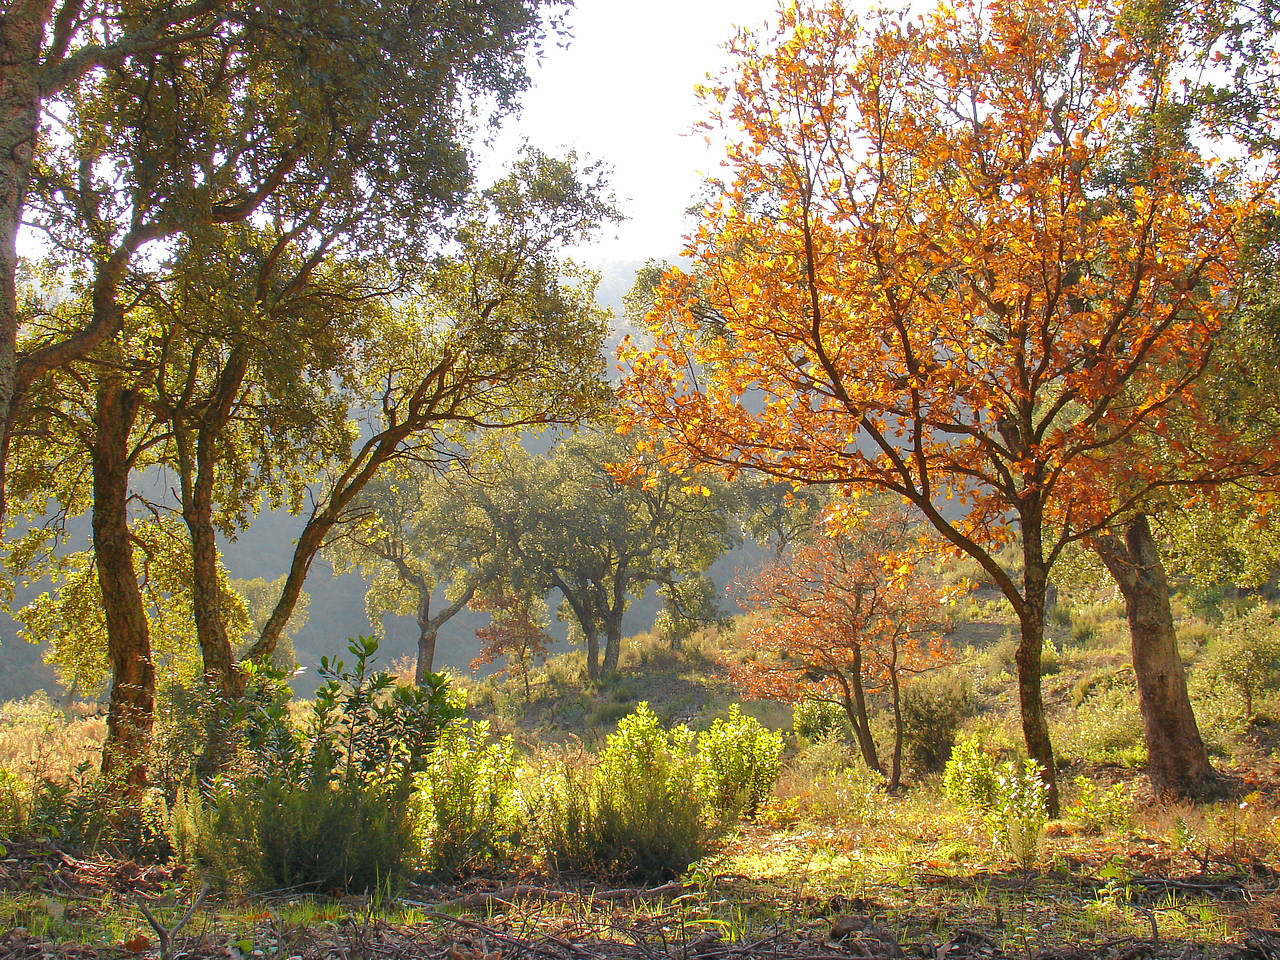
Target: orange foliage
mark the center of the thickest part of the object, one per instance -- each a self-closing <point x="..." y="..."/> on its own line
<point x="956" y="260"/>
<point x="829" y="601"/>
<point x="921" y="276"/>
<point x="515" y="631"/>
<point x="856" y="607"/>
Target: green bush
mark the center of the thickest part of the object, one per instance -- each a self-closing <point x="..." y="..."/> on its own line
<point x="1098" y="810"/>
<point x="325" y="804"/>
<point x="932" y="710"/>
<point x="1245" y="657"/>
<point x="315" y="836"/>
<point x="740" y="762"/>
<point x="1105" y="728"/>
<point x="1012" y="797"/>
<point x="464" y="809"/>
<point x="14" y="807"/>
<point x="560" y="802"/>
<point x="1017" y="816"/>
<point x="635" y="814"/>
<point x="820" y="720"/>
<point x="826" y="783"/>
<point x="969" y="779"/>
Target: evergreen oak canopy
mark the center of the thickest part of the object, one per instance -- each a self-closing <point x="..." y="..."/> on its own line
<point x="344" y="124"/>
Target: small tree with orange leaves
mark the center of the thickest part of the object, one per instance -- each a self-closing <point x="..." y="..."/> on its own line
<point x="517" y="630"/>
<point x="921" y="278"/>
<point x="852" y="609"/>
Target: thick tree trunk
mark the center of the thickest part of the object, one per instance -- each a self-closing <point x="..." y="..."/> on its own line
<point x="612" y="644"/>
<point x="131" y="713"/>
<point x="21" y="33"/>
<point x="1035" y="726"/>
<point x="223" y="681"/>
<point x="1177" y="761"/>
<point x="429" y="626"/>
<point x="426" y="653"/>
<point x="206" y="592"/>
<point x="593" y="655"/>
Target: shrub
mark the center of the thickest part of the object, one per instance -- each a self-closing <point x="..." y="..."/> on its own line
<point x="969" y="779"/>
<point x="932" y="710"/>
<point x="1017" y="816"/>
<point x="740" y="762"/>
<point x="1098" y="810"/>
<point x="632" y="815"/>
<point x="326" y="804"/>
<point x="14" y="807"/>
<point x="315" y="835"/>
<point x="1012" y="797"/>
<point x="40" y="741"/>
<point x="464" y="807"/>
<point x="1106" y="727"/>
<point x="820" y="720"/>
<point x="1246" y="655"/>
<point x="826" y="784"/>
<point x="560" y="800"/>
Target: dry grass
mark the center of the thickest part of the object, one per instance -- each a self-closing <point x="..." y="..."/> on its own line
<point x="41" y="741"/>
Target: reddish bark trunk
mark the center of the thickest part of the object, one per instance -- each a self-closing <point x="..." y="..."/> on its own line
<point x="131" y="713"/>
<point x="1177" y="761"/>
<point x="21" y="33"/>
<point x="855" y="707"/>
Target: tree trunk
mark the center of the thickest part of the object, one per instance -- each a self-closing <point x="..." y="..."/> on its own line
<point x="1035" y="726"/>
<point x="429" y="626"/>
<point x="612" y="644"/>
<point x="1177" y="761"/>
<point x="895" y="690"/>
<point x="855" y="707"/>
<point x="206" y="592"/>
<point x="21" y="34"/>
<point x="593" y="655"/>
<point x="426" y="649"/>
<point x="131" y="713"/>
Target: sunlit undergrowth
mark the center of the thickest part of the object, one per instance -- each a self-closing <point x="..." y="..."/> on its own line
<point x="825" y="840"/>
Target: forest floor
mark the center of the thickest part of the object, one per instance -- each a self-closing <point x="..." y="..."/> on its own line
<point x="917" y="881"/>
<point x="880" y="876"/>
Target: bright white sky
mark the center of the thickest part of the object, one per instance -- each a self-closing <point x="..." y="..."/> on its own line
<point x="623" y="93"/>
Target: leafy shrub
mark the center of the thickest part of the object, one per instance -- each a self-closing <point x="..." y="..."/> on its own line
<point x="1098" y="810"/>
<point x="39" y="740"/>
<point x="1012" y="797"/>
<point x="464" y="807"/>
<point x="740" y="762"/>
<point x="932" y="710"/>
<point x="1246" y="655"/>
<point x="969" y="779"/>
<point x="634" y="813"/>
<point x="560" y="802"/>
<point x="1017" y="816"/>
<point x="820" y="720"/>
<point x="1105" y="728"/>
<point x="325" y="804"/>
<point x="345" y="837"/>
<point x="14" y="807"/>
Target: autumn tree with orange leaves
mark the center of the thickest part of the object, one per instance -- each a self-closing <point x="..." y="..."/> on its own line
<point x="849" y="611"/>
<point x="918" y="280"/>
<point x="516" y="632"/>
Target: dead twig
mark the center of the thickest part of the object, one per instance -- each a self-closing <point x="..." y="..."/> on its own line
<point x="166" y="934"/>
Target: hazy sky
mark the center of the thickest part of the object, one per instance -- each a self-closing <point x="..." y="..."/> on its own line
<point x="623" y="92"/>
